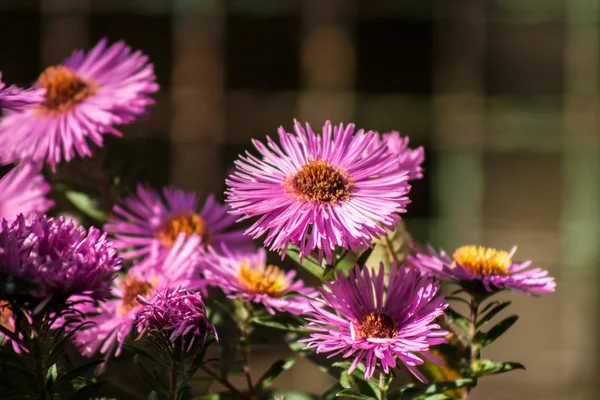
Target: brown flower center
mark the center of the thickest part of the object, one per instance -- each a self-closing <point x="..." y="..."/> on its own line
<point x="132" y="287"/>
<point x="5" y="315"/>
<point x="483" y="260"/>
<point x="263" y="280"/>
<point x="317" y="181"/>
<point x="376" y="325"/>
<point x="64" y="88"/>
<point x="186" y="222"/>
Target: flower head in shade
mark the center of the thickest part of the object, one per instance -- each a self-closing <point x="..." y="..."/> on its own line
<point x="114" y="319"/>
<point x="319" y="191"/>
<point x="58" y="257"/>
<point x="13" y="98"/>
<point x="85" y="97"/>
<point x="23" y="190"/>
<point x="248" y="276"/>
<point x="177" y="314"/>
<point x="379" y="326"/>
<point x="494" y="269"/>
<point x="410" y="159"/>
<point x="146" y="222"/>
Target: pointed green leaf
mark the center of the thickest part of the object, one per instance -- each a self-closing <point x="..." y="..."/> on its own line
<point x="65" y="383"/>
<point x="286" y="322"/>
<point x="492" y="313"/>
<point x="489" y="367"/>
<point x="484" y="339"/>
<point x="308" y="263"/>
<point x="457" y="318"/>
<point x="362" y="259"/>
<point x="353" y="395"/>
<point x="87" y="392"/>
<point x="428" y="389"/>
<point x="273" y="372"/>
<point x="146" y="376"/>
<point x="86" y="204"/>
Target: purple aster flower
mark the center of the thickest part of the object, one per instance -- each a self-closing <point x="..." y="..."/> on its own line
<point x="377" y="325"/>
<point x="13" y="98"/>
<point x="58" y="257"/>
<point x="319" y="191"/>
<point x="179" y="314"/>
<point x="247" y="276"/>
<point x="146" y="222"/>
<point x="495" y="269"/>
<point x="85" y="97"/>
<point x="410" y="159"/>
<point x="114" y="319"/>
<point x="23" y="190"/>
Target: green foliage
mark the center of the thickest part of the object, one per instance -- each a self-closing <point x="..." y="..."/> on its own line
<point x="484" y="339"/>
<point x="273" y="372"/>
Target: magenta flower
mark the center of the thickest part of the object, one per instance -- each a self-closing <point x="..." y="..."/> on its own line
<point x="23" y="190"/>
<point x="114" y="319"/>
<point x="85" y="97"/>
<point x="147" y="223"/>
<point x="13" y="98"/>
<point x="58" y="257"/>
<point x="247" y="276"/>
<point x="409" y="159"/>
<point x="495" y="269"/>
<point x="377" y="325"/>
<point x="319" y="191"/>
<point x="178" y="314"/>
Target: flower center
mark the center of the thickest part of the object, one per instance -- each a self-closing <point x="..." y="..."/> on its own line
<point x="64" y="88"/>
<point x="132" y="287"/>
<point x="320" y="182"/>
<point x="268" y="280"/>
<point x="187" y="222"/>
<point x="377" y="325"/>
<point x="484" y="261"/>
<point x="5" y="316"/>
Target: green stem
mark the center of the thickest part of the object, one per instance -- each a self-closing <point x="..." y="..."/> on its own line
<point x="41" y="370"/>
<point x="176" y="369"/>
<point x="224" y="382"/>
<point x="472" y="349"/>
<point x="382" y="388"/>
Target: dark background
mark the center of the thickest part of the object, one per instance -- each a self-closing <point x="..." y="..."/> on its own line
<point x="503" y="94"/>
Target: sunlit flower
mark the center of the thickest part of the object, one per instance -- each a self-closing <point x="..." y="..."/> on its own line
<point x="177" y="314"/>
<point x="58" y="257"/>
<point x="13" y="98"/>
<point x="319" y="191"/>
<point x="247" y="276"/>
<point x="146" y="223"/>
<point x="23" y="190"/>
<point x="114" y="319"/>
<point x="495" y="269"/>
<point x="85" y="97"/>
<point x="409" y="159"/>
<point x="378" y="326"/>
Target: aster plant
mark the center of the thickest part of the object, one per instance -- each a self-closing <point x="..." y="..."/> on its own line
<point x="305" y="248"/>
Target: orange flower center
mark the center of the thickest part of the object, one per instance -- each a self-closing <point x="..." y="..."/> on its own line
<point x="5" y="315"/>
<point x="186" y="222"/>
<point x="268" y="280"/>
<point x="318" y="181"/>
<point x="484" y="261"/>
<point x="376" y="325"/>
<point x="132" y="288"/>
<point x="64" y="88"/>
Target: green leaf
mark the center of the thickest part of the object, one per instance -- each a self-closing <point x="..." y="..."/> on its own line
<point x="146" y="376"/>
<point x="86" y="204"/>
<point x="87" y="392"/>
<point x="308" y="263"/>
<point x="484" y="339"/>
<point x="457" y="318"/>
<point x="489" y="367"/>
<point x="273" y="372"/>
<point x="331" y="392"/>
<point x="141" y="353"/>
<point x="428" y="389"/>
<point x="286" y="322"/>
<point x="353" y="394"/>
<point x="66" y="382"/>
<point x="438" y="397"/>
<point x="346" y="380"/>
<point x="329" y="273"/>
<point x="456" y="298"/>
<point x="362" y="259"/>
<point x="214" y="396"/>
<point x="492" y="313"/>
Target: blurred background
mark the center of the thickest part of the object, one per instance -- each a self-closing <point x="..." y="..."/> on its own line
<point x="503" y="94"/>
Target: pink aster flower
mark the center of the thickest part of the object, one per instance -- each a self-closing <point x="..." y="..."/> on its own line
<point x="58" y="257"/>
<point x="23" y="190"/>
<point x="85" y="97"/>
<point x="377" y="325"/>
<point x="177" y="314"/>
<point x="115" y="318"/>
<point x="495" y="269"/>
<point x="13" y="98"/>
<point x="247" y="276"/>
<point x="146" y="223"/>
<point x="319" y="191"/>
<point x="410" y="159"/>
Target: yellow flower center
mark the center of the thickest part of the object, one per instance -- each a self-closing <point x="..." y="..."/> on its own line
<point x="132" y="287"/>
<point x="376" y="325"/>
<point x="317" y="181"/>
<point x="64" y="89"/>
<point x="268" y="280"/>
<point x="483" y="260"/>
<point x="187" y="222"/>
